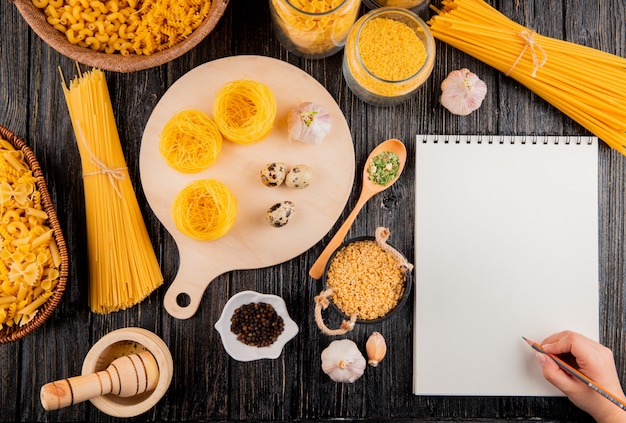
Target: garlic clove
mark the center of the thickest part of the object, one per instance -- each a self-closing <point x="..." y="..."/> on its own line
<point x="376" y="348"/>
<point x="342" y="361"/>
<point x="462" y="92"/>
<point x="308" y="123"/>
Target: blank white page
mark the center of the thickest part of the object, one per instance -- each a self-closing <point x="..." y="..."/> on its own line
<point x="506" y="245"/>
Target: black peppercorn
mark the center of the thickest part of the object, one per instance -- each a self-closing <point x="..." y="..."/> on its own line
<point x="257" y="324"/>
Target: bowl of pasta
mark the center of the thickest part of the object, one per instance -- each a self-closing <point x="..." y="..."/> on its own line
<point x="33" y="256"/>
<point x="122" y="35"/>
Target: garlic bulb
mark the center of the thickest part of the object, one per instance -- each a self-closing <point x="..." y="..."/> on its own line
<point x="462" y="92"/>
<point x="309" y="123"/>
<point x="342" y="361"/>
<point x="376" y="348"/>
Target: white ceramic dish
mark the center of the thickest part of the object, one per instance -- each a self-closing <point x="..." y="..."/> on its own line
<point x="242" y="352"/>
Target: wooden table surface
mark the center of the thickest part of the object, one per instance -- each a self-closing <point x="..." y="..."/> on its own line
<point x="207" y="384"/>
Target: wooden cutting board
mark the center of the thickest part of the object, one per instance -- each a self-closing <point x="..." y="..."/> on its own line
<point x="252" y="242"/>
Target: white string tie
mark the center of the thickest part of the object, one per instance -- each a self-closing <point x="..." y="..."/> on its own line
<point x="529" y="37"/>
<point x="115" y="174"/>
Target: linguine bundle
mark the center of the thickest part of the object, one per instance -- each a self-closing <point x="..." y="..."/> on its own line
<point x="584" y="83"/>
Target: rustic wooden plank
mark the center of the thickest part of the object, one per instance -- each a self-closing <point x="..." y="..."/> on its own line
<point x="208" y="385"/>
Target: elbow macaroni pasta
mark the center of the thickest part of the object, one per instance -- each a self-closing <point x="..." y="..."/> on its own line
<point x="146" y="27"/>
<point x="29" y="257"/>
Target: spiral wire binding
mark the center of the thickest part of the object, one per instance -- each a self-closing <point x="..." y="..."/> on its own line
<point x="532" y="139"/>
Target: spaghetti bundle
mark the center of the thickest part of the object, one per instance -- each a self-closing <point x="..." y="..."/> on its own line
<point x="584" y="83"/>
<point x="123" y="268"/>
<point x="205" y="210"/>
<point x="190" y="141"/>
<point x="244" y="111"/>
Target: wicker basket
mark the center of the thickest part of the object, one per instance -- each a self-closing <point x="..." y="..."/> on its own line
<point x="9" y="334"/>
<point x="115" y="62"/>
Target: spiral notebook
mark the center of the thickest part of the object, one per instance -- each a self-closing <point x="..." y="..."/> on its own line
<point x="506" y="245"/>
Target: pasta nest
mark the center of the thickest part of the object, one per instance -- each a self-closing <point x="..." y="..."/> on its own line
<point x="244" y="111"/>
<point x="205" y="210"/>
<point x="190" y="141"/>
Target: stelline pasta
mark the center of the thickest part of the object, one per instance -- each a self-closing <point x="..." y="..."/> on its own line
<point x="584" y="83"/>
<point x="123" y="268"/>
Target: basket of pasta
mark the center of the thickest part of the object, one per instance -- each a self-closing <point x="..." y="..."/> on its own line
<point x="33" y="254"/>
<point x="122" y="35"/>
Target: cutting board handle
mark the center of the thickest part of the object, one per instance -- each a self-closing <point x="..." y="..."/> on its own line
<point x="183" y="296"/>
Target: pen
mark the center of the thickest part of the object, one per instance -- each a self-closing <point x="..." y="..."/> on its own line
<point x="569" y="369"/>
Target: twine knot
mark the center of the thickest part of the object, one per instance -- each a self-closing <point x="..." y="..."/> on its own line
<point x="113" y="174"/>
<point x="529" y="38"/>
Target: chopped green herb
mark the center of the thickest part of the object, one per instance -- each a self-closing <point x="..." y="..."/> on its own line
<point x="384" y="168"/>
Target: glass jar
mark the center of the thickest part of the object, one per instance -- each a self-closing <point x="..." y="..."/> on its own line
<point x="413" y="5"/>
<point x="389" y="54"/>
<point x="313" y="30"/>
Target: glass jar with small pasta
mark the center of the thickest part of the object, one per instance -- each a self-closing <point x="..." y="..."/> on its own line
<point x="313" y="30"/>
<point x="389" y="55"/>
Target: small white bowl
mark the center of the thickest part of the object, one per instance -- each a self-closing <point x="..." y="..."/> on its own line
<point x="242" y="352"/>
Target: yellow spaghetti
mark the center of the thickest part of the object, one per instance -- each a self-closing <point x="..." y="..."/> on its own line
<point x="244" y="111"/>
<point x="123" y="268"/>
<point x="190" y="141"/>
<point x="205" y="210"/>
<point x="584" y="83"/>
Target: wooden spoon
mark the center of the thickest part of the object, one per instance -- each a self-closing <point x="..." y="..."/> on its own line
<point x="368" y="190"/>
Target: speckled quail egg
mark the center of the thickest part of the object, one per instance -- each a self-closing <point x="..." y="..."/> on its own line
<point x="273" y="174"/>
<point x="278" y="215"/>
<point x="299" y="176"/>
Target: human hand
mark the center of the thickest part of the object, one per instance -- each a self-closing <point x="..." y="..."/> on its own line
<point x="593" y="360"/>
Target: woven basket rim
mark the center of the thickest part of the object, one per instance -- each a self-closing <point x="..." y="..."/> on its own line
<point x="15" y="332"/>
<point x="36" y="19"/>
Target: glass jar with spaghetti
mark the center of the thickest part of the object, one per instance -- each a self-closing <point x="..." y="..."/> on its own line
<point x="313" y="30"/>
<point x="388" y="56"/>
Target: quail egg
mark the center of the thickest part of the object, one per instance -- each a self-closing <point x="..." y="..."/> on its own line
<point x="299" y="177"/>
<point x="278" y="215"/>
<point x="273" y="174"/>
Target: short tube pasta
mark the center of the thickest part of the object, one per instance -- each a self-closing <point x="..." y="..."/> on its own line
<point x="149" y="26"/>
